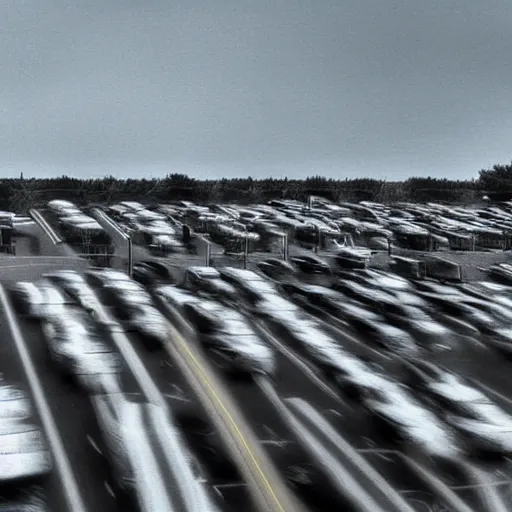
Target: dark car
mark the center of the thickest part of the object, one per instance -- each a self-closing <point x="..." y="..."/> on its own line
<point x="26" y="298"/>
<point x="277" y="269"/>
<point x="151" y="273"/>
<point x="501" y="272"/>
<point x="311" y="265"/>
<point x="230" y="338"/>
<point x="144" y="274"/>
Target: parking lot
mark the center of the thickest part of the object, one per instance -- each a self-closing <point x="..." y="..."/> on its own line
<point x="308" y="374"/>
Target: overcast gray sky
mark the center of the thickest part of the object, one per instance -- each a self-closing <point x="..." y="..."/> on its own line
<point x="382" y="88"/>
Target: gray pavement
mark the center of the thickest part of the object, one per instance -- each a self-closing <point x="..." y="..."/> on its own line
<point x="73" y="410"/>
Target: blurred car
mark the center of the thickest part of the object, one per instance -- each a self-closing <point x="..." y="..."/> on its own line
<point x="501" y="272"/>
<point x="485" y="426"/>
<point x="377" y="331"/>
<point x="401" y="418"/>
<point x="357" y="275"/>
<point x="99" y="277"/>
<point x="80" y="353"/>
<point x="311" y="264"/>
<point x="427" y="331"/>
<point x="151" y="273"/>
<point x="147" y="321"/>
<point x="252" y="286"/>
<point x="75" y="286"/>
<point x="55" y="301"/>
<point x="15" y="404"/>
<point x="207" y="281"/>
<point x="319" y="300"/>
<point x="24" y="454"/>
<point x="379" y="300"/>
<point x="32" y="503"/>
<point x="175" y="297"/>
<point x="277" y="269"/>
<point x="455" y="305"/>
<point x="352" y="257"/>
<point x="27" y="299"/>
<point x="228" y="335"/>
<point x="197" y="274"/>
<point x="133" y="305"/>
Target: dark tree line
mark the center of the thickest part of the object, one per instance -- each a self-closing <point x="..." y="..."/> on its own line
<point x="22" y="194"/>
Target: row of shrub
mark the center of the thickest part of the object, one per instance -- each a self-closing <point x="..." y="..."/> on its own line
<point x="22" y="194"/>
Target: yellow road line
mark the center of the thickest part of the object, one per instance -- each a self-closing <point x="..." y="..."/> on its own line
<point x="208" y="384"/>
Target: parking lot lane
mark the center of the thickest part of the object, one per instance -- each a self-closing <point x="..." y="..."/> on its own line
<point x="165" y="373"/>
<point x="11" y="372"/>
<point x="76" y="423"/>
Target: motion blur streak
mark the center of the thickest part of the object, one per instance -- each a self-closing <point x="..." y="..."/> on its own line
<point x="270" y="497"/>
<point x="69" y="483"/>
<point x="193" y="496"/>
<point x="340" y="475"/>
<point x="440" y="488"/>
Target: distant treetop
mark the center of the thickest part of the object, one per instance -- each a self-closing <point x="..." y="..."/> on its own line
<point x="21" y="194"/>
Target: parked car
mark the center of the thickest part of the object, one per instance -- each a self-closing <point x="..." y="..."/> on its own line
<point x="15" y="404"/>
<point x="79" y="352"/>
<point x="27" y="299"/>
<point x="24" y="453"/>
<point x="75" y="286"/>
<point x="485" y="427"/>
<point x="401" y="418"/>
<point x="228" y="335"/>
<point x="151" y="273"/>
<point x="311" y="265"/>
<point x="277" y="269"/>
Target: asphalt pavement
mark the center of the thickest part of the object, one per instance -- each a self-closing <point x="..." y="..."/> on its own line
<point x="295" y="378"/>
<point x="12" y="372"/>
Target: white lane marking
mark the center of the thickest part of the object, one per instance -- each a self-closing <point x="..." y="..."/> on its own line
<point x="133" y="361"/>
<point x="109" y="489"/>
<point x="492" y="391"/>
<point x="70" y="485"/>
<point x="91" y="441"/>
<point x="300" y="364"/>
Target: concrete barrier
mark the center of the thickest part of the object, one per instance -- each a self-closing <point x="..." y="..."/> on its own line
<point x="116" y="233"/>
<point x="45" y="226"/>
<point x="442" y="269"/>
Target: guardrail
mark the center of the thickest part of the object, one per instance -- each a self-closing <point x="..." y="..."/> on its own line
<point x="115" y="232"/>
<point x="45" y="226"/>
